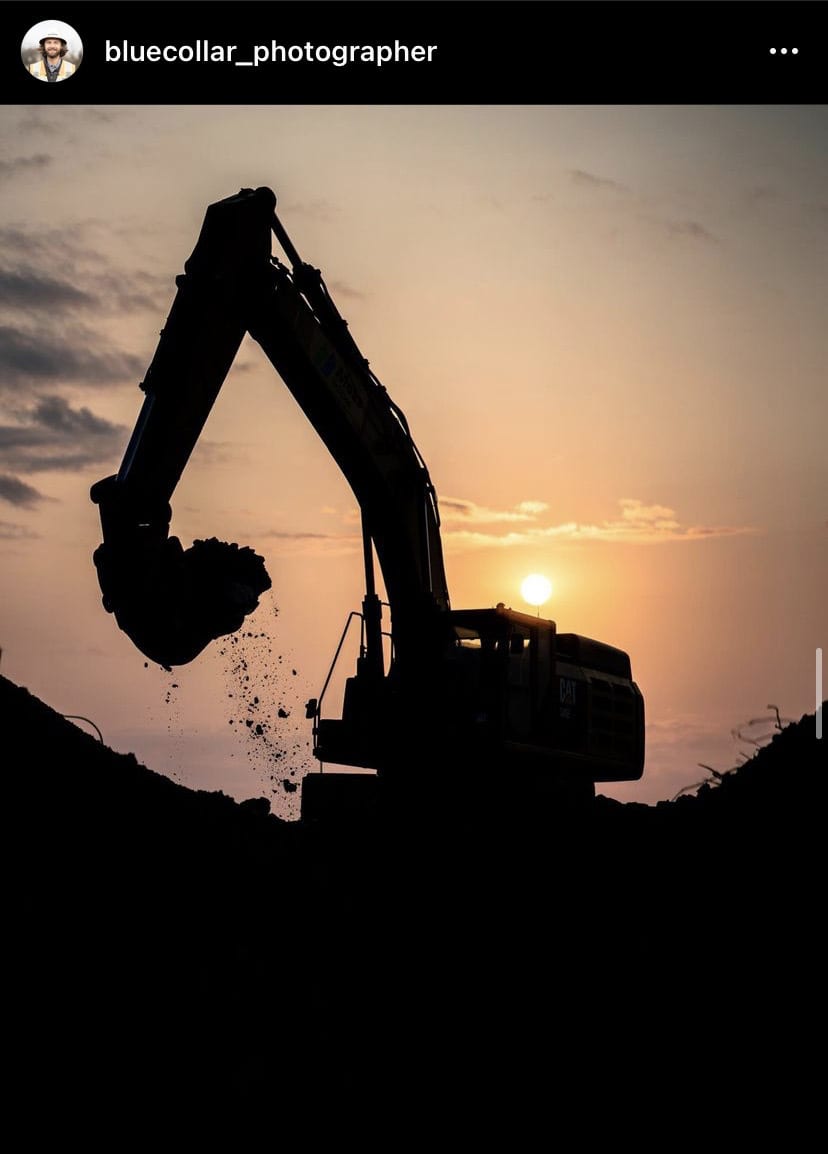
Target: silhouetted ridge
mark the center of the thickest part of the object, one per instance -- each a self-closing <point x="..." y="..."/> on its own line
<point x="200" y="945"/>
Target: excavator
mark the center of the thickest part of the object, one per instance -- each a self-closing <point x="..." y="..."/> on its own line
<point x="477" y="693"/>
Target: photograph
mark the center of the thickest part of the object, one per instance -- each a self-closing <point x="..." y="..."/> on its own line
<point x="413" y="554"/>
<point x="598" y="330"/>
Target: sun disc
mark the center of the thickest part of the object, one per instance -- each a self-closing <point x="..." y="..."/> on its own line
<point x="536" y="589"/>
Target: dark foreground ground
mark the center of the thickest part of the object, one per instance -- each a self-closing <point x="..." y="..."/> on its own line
<point x="172" y="944"/>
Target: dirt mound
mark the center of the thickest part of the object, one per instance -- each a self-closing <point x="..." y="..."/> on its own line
<point x="198" y="945"/>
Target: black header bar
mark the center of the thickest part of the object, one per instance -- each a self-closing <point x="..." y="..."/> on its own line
<point x="461" y="52"/>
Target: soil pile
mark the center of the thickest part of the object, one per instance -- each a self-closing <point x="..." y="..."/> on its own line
<point x="172" y="942"/>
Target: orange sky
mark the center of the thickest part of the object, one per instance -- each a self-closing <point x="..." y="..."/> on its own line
<point x="606" y="327"/>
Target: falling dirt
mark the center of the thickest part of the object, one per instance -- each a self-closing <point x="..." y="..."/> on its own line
<point x="264" y="709"/>
<point x="173" y="720"/>
<point x="264" y="704"/>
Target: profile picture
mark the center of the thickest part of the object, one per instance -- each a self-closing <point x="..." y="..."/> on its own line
<point x="51" y="51"/>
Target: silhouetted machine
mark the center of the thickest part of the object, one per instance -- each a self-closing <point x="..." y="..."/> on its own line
<point x="469" y="690"/>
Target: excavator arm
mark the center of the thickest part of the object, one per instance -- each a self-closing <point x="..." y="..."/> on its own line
<point x="172" y="602"/>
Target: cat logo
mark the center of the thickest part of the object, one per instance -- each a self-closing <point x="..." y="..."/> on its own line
<point x="567" y="696"/>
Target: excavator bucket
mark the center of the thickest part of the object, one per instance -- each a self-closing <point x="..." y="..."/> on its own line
<point x="171" y="602"/>
<point x="174" y="603"/>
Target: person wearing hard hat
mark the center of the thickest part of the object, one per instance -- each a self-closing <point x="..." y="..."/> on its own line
<point x="52" y="65"/>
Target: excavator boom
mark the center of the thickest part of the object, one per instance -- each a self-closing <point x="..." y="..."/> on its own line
<point x="232" y="285"/>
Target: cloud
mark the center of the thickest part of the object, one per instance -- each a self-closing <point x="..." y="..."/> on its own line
<point x="137" y="290"/>
<point x="339" y="288"/>
<point x="642" y="208"/>
<point x="17" y="492"/>
<point x="638" y="524"/>
<point x="211" y="453"/>
<point x="91" y="287"/>
<point x="28" y="280"/>
<point x="49" y="357"/>
<point x="590" y="180"/>
<point x="35" y="121"/>
<point x="103" y="116"/>
<point x="287" y="542"/>
<point x="324" y="210"/>
<point x="51" y="332"/>
<point x="26" y="290"/>
<point x="52" y="436"/>
<point x="11" y="168"/>
<point x="761" y="193"/>
<point x="286" y="535"/>
<point x="11" y="532"/>
<point x="691" y="229"/>
<point x="37" y="244"/>
<point x="455" y="509"/>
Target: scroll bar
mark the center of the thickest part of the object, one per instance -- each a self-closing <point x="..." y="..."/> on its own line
<point x="818" y="714"/>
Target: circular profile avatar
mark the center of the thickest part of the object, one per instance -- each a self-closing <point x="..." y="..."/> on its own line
<point x="51" y="51"/>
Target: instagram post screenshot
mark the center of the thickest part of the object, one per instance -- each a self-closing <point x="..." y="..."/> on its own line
<point x="414" y="554"/>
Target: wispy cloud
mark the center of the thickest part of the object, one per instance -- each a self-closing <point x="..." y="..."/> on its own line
<point x="51" y="334"/>
<point x="340" y="288"/>
<point x="104" y="116"/>
<point x="28" y="289"/>
<point x="691" y="229"/>
<point x="761" y="194"/>
<point x="590" y="180"/>
<point x="324" y="210"/>
<point x="33" y="119"/>
<point x="36" y="243"/>
<point x="28" y="280"/>
<point x="455" y="509"/>
<point x="465" y="528"/>
<point x="49" y="357"/>
<point x="12" y="532"/>
<point x="636" y="206"/>
<point x="312" y="544"/>
<point x="50" y="435"/>
<point x="287" y="535"/>
<point x="17" y="492"/>
<point x="638" y="523"/>
<point x="18" y="164"/>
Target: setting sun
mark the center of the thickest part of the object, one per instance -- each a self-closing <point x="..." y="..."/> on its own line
<point x="536" y="589"/>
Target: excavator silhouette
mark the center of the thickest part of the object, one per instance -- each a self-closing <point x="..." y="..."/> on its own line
<point x="479" y="692"/>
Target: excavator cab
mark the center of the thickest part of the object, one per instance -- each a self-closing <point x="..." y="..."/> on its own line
<point x="505" y="694"/>
<point x="554" y="703"/>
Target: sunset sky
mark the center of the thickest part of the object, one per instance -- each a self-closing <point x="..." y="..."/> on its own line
<point x="607" y="327"/>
